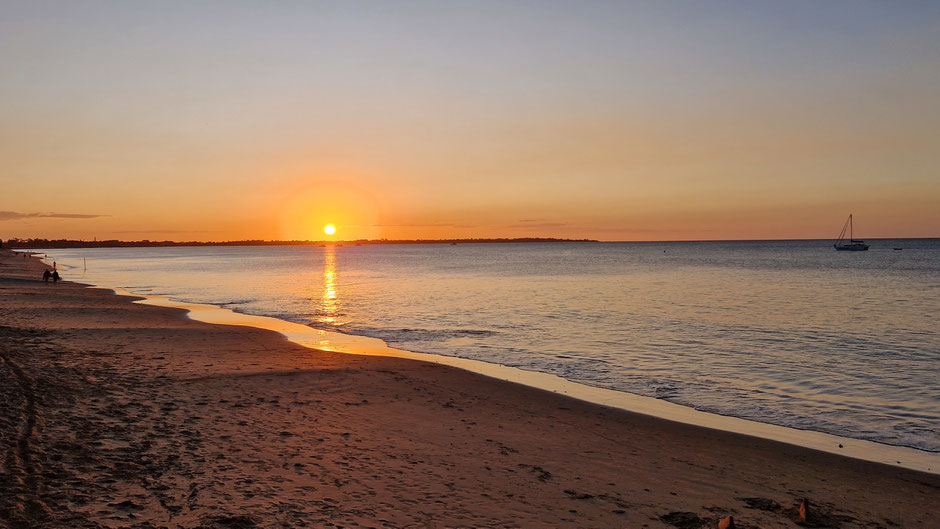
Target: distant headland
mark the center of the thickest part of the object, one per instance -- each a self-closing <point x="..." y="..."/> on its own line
<point x="68" y="243"/>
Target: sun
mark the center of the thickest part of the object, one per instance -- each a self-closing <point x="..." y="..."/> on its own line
<point x="329" y="229"/>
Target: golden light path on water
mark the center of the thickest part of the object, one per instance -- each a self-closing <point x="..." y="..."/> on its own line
<point x="351" y="344"/>
<point x="328" y="309"/>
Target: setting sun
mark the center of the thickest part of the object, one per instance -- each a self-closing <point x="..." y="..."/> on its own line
<point x="329" y="229"/>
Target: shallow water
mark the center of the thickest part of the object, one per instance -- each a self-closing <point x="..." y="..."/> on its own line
<point x="787" y="333"/>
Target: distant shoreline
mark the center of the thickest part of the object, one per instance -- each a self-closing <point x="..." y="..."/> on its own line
<point x="66" y="243"/>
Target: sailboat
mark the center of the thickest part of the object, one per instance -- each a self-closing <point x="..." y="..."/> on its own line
<point x="852" y="245"/>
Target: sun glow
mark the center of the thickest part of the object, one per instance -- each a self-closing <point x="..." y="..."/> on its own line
<point x="313" y="205"/>
<point x="329" y="229"/>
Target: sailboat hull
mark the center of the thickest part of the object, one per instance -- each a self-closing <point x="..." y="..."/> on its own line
<point x="855" y="247"/>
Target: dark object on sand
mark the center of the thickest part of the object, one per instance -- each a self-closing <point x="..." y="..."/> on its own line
<point x="683" y="520"/>
<point x="55" y="276"/>
<point x="46" y="275"/>
<point x="229" y="522"/>
<point x="763" y="504"/>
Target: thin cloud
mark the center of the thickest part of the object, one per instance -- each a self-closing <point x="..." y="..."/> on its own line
<point x="158" y="232"/>
<point x="13" y="215"/>
<point x="622" y="229"/>
<point x="434" y="225"/>
<point x="530" y="223"/>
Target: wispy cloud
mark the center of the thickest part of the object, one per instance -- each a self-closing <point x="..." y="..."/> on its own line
<point x="540" y="224"/>
<point x="13" y="215"/>
<point x="656" y="230"/>
<point x="161" y="232"/>
<point x="431" y="225"/>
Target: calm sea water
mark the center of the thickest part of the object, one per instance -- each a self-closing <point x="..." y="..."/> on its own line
<point x="789" y="333"/>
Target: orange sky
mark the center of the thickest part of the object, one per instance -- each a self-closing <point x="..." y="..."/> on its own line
<point x="225" y="121"/>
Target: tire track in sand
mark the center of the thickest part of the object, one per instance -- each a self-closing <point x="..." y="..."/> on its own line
<point x="26" y="504"/>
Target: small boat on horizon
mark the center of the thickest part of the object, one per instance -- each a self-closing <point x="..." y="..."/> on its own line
<point x="852" y="245"/>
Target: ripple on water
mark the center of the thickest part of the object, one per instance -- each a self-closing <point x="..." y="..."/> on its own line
<point x="790" y="333"/>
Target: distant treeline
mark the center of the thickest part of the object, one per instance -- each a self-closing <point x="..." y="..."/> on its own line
<point x="66" y="243"/>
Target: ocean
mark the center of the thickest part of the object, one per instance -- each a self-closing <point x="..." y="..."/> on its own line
<point x="790" y="333"/>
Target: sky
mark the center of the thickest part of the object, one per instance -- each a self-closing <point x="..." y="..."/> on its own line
<point x="648" y="120"/>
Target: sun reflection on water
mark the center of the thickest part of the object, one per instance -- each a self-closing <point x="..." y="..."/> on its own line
<point x="330" y="304"/>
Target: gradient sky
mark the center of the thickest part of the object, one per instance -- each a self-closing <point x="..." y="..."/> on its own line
<point x="652" y="120"/>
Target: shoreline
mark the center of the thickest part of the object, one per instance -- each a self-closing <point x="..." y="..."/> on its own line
<point x="124" y="414"/>
<point x="317" y="339"/>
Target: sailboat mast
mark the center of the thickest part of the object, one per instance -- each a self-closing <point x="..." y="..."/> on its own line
<point x="852" y="245"/>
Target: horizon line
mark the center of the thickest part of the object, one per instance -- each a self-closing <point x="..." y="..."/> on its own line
<point x="16" y="242"/>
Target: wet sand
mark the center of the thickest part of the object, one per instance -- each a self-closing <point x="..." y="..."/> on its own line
<point x="117" y="414"/>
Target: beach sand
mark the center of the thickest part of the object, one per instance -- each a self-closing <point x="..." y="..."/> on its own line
<point x="116" y="414"/>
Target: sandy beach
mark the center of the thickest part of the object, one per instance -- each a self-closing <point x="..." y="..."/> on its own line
<point x="117" y="414"/>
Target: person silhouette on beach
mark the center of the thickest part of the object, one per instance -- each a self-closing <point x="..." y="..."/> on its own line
<point x="55" y="276"/>
<point x="45" y="276"/>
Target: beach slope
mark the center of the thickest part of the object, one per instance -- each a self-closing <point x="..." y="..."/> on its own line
<point x="116" y="414"/>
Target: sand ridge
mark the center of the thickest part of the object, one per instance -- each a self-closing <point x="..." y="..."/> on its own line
<point x="123" y="415"/>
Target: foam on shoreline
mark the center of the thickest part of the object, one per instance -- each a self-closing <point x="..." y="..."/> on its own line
<point x="897" y="456"/>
